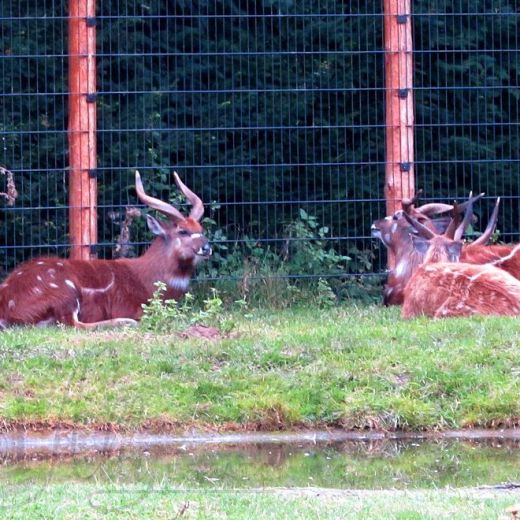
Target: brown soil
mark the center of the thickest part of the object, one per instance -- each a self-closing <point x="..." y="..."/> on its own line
<point x="157" y="426"/>
<point x="268" y="424"/>
<point x="202" y="332"/>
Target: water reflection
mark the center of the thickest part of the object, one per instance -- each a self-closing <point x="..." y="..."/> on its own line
<point x="358" y="464"/>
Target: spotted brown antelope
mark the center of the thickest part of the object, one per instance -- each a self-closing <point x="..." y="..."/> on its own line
<point x="442" y="286"/>
<point x="92" y="293"/>
<point x="394" y="231"/>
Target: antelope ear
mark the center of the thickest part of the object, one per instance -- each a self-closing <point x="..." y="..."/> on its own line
<point x="155" y="226"/>
<point x="420" y="244"/>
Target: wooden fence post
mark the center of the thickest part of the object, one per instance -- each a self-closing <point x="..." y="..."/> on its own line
<point x="399" y="170"/>
<point x="82" y="128"/>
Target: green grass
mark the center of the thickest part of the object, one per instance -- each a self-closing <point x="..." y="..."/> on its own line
<point x="93" y="502"/>
<point x="353" y="367"/>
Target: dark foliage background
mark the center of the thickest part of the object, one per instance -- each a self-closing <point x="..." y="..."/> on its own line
<point x="273" y="110"/>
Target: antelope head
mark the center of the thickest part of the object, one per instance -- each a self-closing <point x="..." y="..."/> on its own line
<point x="445" y="247"/>
<point x="182" y="238"/>
<point x="394" y="230"/>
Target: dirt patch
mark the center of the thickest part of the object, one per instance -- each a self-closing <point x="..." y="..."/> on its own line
<point x="159" y="426"/>
<point x="202" y="332"/>
<point x="49" y="426"/>
<point x="271" y="423"/>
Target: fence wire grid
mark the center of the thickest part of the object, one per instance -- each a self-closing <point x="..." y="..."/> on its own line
<point x="273" y="112"/>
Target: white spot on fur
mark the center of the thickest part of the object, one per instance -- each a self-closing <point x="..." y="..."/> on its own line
<point x="60" y="264"/>
<point x="394" y="227"/>
<point x="507" y="257"/>
<point x="19" y="273"/>
<point x="179" y="283"/>
<point x="482" y="272"/>
<point x="75" y="314"/>
<point x="39" y="278"/>
<point x="70" y="283"/>
<point x="40" y="263"/>
<point x="51" y="272"/>
<point x="53" y="285"/>
<point x="91" y="290"/>
<point x="196" y="235"/>
<point x="11" y="304"/>
<point x="37" y="291"/>
<point x="401" y="268"/>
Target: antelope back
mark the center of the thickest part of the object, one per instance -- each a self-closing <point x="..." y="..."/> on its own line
<point x="440" y="290"/>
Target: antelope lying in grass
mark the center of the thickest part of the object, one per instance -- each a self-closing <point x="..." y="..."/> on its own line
<point x="395" y="233"/>
<point x="91" y="293"/>
<point x="444" y="287"/>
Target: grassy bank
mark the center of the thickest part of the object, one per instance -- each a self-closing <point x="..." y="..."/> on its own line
<point x="349" y="367"/>
<point x="91" y="501"/>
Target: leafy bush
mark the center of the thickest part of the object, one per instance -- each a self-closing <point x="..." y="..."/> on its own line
<point x="302" y="267"/>
<point x="170" y="316"/>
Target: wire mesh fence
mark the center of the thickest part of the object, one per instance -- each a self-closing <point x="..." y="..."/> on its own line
<point x="273" y="112"/>
<point x="467" y="75"/>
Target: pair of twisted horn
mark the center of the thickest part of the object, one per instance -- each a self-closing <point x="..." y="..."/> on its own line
<point x="433" y="208"/>
<point x="457" y="227"/>
<point x="425" y="232"/>
<point x="167" y="209"/>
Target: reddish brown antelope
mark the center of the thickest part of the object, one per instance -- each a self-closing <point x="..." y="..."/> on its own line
<point x="92" y="293"/>
<point x="395" y="233"/>
<point x="443" y="287"/>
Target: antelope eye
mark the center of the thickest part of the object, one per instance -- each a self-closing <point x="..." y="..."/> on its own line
<point x="183" y="232"/>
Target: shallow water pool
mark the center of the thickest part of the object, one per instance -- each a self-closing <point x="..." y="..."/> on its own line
<point x="319" y="459"/>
